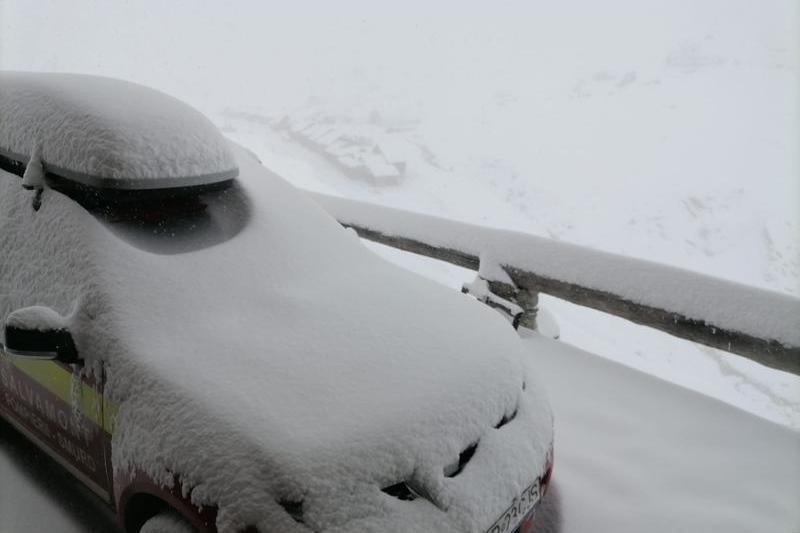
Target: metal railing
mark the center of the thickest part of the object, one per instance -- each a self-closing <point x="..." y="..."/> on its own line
<point x="758" y="324"/>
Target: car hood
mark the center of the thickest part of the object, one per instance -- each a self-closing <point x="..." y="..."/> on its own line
<point x="288" y="363"/>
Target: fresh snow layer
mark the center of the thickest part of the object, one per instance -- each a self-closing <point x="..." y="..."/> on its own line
<point x="740" y="382"/>
<point x="633" y="453"/>
<point x="725" y="304"/>
<point x="286" y="362"/>
<point x="109" y="133"/>
<point x="680" y="148"/>
<point x="36" y="317"/>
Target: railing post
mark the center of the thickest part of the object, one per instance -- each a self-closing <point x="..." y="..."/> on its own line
<point x="529" y="302"/>
<point x="526" y="299"/>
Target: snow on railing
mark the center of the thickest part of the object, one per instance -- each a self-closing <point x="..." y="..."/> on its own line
<point x="761" y="325"/>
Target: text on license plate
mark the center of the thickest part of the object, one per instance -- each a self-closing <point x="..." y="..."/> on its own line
<point x="519" y="508"/>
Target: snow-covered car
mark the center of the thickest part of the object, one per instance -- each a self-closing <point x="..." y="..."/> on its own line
<point x="206" y="348"/>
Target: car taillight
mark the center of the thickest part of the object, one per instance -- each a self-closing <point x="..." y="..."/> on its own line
<point x="527" y="525"/>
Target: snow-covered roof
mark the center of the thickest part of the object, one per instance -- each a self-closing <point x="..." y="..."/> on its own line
<point x="350" y="161"/>
<point x="109" y="133"/>
<point x="287" y="361"/>
<point x="378" y="168"/>
<point x="393" y="149"/>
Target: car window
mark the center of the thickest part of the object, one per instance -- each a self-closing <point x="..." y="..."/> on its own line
<point x="177" y="224"/>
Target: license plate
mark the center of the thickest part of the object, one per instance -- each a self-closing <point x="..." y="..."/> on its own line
<point x="520" y="508"/>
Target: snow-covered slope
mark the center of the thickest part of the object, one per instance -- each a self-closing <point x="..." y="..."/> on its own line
<point x="672" y="178"/>
<point x="680" y="149"/>
<point x="736" y="228"/>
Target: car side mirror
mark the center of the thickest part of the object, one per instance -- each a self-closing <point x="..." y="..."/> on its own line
<point x="39" y="333"/>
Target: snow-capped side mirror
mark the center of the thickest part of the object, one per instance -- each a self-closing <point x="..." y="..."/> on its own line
<point x="39" y="333"/>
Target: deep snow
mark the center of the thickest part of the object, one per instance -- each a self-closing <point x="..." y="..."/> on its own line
<point x="108" y="133"/>
<point x="661" y="130"/>
<point x="681" y="149"/>
<point x="765" y="314"/>
<point x="301" y="361"/>
<point x="633" y="453"/>
<point x="735" y="380"/>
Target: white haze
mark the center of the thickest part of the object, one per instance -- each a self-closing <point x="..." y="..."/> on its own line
<point x="667" y="130"/>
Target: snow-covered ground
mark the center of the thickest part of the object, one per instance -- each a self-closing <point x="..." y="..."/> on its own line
<point x="637" y="454"/>
<point x="36" y="494"/>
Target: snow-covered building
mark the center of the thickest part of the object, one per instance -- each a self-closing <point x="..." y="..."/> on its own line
<point x="359" y="150"/>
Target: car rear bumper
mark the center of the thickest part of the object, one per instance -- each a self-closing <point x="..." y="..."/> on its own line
<point x="528" y="522"/>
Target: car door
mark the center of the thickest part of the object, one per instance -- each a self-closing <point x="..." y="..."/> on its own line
<point x="59" y="408"/>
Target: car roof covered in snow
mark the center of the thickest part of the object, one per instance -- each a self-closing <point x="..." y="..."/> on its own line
<point x="109" y="134"/>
